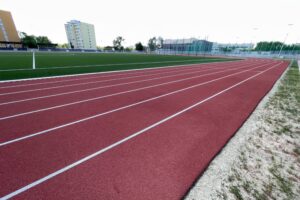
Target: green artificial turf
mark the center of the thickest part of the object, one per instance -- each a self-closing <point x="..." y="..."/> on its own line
<point x="19" y="65"/>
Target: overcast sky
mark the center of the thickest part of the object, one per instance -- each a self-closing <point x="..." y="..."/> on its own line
<point x="229" y="21"/>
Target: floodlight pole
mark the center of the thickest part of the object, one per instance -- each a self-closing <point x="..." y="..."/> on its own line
<point x="284" y="40"/>
<point x="283" y="44"/>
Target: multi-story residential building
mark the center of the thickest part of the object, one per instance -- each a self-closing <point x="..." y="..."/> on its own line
<point x="8" y="31"/>
<point x="80" y="35"/>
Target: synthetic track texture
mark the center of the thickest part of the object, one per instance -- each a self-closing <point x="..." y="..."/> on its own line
<point x="161" y="162"/>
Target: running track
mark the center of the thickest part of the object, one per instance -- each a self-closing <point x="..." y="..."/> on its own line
<point x="140" y="134"/>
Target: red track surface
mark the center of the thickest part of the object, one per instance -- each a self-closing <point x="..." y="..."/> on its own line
<point x="128" y="135"/>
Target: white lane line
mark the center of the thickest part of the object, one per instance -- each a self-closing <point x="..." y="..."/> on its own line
<point x="74" y="164"/>
<point x="104" y="65"/>
<point x="93" y="82"/>
<point x="120" y="108"/>
<point x="108" y="86"/>
<point x="120" y="73"/>
<point x="120" y="93"/>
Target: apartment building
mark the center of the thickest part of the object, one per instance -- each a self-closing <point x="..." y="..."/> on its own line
<point x="80" y="35"/>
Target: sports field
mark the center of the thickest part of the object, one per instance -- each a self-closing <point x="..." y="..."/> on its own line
<point x="15" y="65"/>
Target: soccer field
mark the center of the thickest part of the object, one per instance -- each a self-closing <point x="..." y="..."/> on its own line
<point x="16" y="65"/>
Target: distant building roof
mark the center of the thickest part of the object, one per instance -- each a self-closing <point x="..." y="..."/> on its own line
<point x="8" y="31"/>
<point x="183" y="41"/>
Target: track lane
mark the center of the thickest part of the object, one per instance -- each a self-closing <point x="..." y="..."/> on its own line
<point x="165" y="170"/>
<point x="144" y="119"/>
<point x="54" y="119"/>
<point x="24" y="106"/>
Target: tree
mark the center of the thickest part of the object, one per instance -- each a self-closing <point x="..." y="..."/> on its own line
<point x="64" y="46"/>
<point x="139" y="46"/>
<point x="275" y="46"/>
<point x="152" y="43"/>
<point x="108" y="48"/>
<point x="128" y="49"/>
<point x="43" y="40"/>
<point x="117" y="43"/>
<point x="29" y="41"/>
<point x="159" y="43"/>
<point x="155" y="43"/>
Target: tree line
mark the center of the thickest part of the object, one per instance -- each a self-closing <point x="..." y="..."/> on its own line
<point x="153" y="44"/>
<point x="276" y="46"/>
<point x="32" y="41"/>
